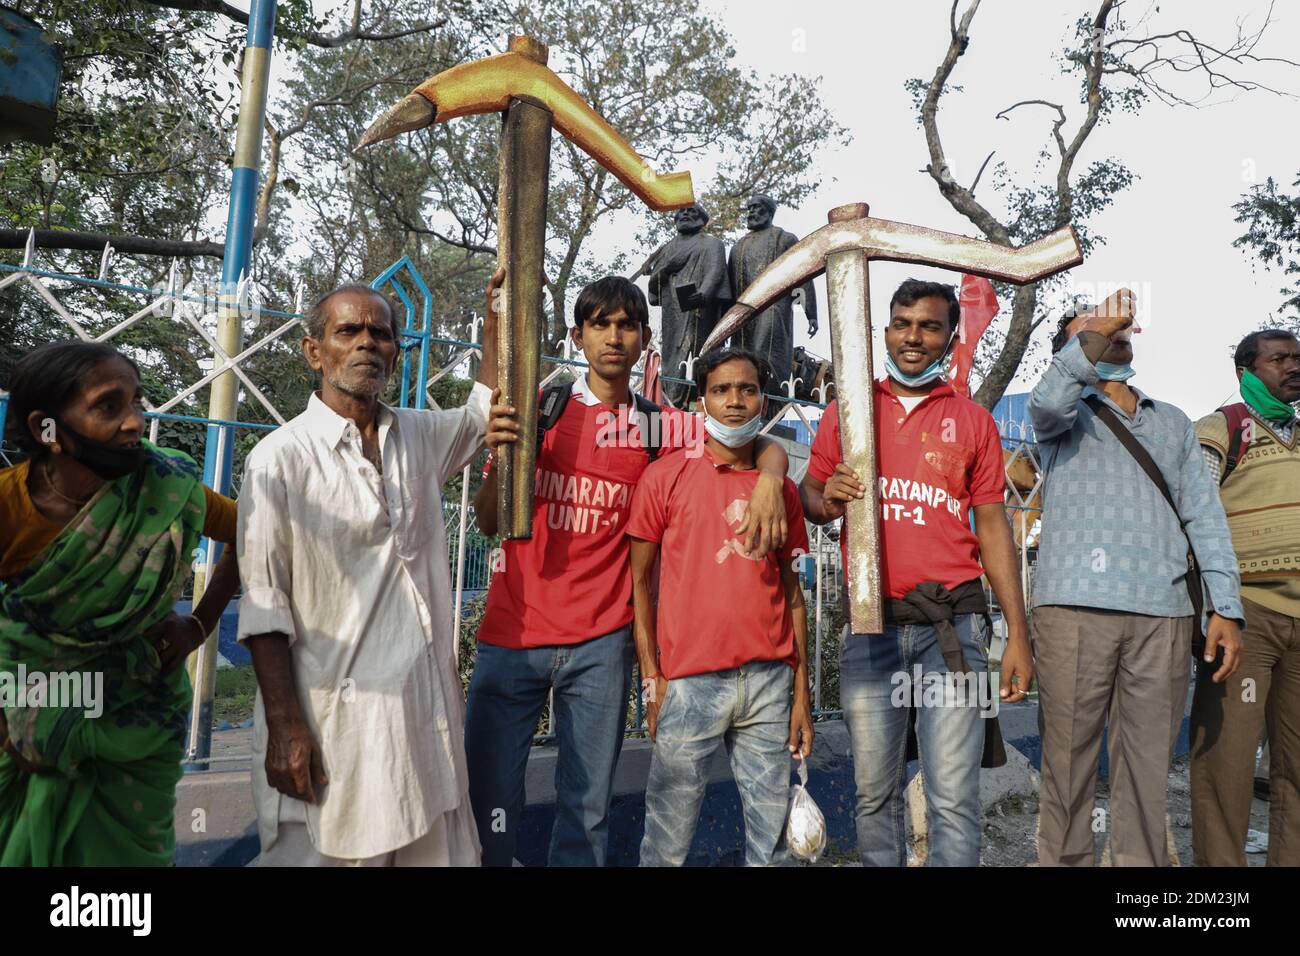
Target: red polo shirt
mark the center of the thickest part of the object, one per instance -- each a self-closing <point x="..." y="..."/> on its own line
<point x="936" y="463"/>
<point x="572" y="580"/>
<point x="718" y="609"/>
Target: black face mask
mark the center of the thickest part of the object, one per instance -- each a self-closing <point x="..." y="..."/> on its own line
<point x="106" y="461"/>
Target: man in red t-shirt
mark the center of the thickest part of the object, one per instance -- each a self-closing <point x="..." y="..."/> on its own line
<point x="725" y="656"/>
<point x="559" y="609"/>
<point x="940" y="461"/>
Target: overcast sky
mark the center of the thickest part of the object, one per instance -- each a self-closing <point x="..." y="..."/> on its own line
<point x="1169" y="235"/>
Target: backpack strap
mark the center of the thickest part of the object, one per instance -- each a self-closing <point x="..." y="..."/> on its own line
<point x="651" y="434"/>
<point x="550" y="408"/>
<point x="1237" y="415"/>
<point x="556" y="397"/>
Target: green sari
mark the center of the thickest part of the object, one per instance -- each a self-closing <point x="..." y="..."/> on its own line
<point x="106" y="793"/>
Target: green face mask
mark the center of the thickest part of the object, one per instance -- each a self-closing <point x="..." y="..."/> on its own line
<point x="1269" y="406"/>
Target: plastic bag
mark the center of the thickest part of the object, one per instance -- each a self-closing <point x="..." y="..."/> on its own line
<point x="805" y="831"/>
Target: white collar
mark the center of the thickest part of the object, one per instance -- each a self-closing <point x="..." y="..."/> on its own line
<point x="332" y="426"/>
<point x="582" y="392"/>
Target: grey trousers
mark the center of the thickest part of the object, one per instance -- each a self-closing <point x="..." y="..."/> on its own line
<point x="1226" y="723"/>
<point x="1126" y="672"/>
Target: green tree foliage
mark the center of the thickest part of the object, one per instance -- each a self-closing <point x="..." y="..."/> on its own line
<point x="1272" y="236"/>
<point x="148" y="104"/>
<point x="663" y="73"/>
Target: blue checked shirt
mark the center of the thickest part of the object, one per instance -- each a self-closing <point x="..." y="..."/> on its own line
<point x="1109" y="538"/>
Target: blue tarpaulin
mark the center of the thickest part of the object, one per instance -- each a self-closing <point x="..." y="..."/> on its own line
<point x="29" y="80"/>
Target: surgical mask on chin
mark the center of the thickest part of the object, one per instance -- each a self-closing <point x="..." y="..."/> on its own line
<point x="1110" y="372"/>
<point x="733" y="436"/>
<point x="936" y="370"/>
<point x="106" y="461"/>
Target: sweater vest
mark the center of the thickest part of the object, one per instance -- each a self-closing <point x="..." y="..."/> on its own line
<point x="1262" y="501"/>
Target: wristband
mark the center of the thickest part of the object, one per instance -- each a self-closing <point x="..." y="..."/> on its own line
<point x="203" y="633"/>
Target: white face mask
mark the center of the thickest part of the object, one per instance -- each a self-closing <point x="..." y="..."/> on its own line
<point x="937" y="369"/>
<point x="733" y="436"/>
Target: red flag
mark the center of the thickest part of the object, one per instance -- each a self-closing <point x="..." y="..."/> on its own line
<point x="979" y="303"/>
<point x="652" y="386"/>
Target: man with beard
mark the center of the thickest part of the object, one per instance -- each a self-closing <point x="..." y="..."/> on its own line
<point x="688" y="280"/>
<point x="358" y="725"/>
<point x="1112" y="613"/>
<point x="1253" y="451"/>
<point x="770" y="334"/>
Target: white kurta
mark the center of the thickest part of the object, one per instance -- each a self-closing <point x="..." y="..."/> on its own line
<point x="352" y="566"/>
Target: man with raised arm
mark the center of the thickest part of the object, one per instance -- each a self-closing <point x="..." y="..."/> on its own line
<point x="1112" y="610"/>
<point x="358" y="725"/>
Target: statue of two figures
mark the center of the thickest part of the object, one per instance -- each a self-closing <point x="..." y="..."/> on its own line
<point x="694" y="281"/>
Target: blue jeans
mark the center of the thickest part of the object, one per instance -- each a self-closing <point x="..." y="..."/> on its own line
<point x="748" y="707"/>
<point x="506" y="697"/>
<point x="950" y="737"/>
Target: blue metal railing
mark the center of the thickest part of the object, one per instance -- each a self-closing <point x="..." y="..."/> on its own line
<point x="390" y="278"/>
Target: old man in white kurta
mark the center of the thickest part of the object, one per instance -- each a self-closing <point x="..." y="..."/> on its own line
<point x="358" y="726"/>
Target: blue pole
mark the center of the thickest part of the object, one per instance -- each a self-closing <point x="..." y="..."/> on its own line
<point x="240" y="223"/>
<point x="223" y="402"/>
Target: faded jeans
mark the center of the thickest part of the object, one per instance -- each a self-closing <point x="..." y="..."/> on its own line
<point x="506" y="696"/>
<point x="951" y="741"/>
<point x="748" y="709"/>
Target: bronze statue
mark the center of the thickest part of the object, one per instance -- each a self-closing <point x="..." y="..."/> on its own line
<point x="771" y="334"/>
<point x="688" y="281"/>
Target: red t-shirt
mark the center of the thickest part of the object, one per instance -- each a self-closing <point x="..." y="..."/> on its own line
<point x="572" y="580"/>
<point x="717" y="608"/>
<point x="935" y="465"/>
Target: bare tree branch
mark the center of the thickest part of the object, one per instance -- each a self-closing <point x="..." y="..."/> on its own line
<point x="1064" y="193"/>
<point x="345" y="96"/>
<point x="1145" y="60"/>
<point x="1197" y="57"/>
<point x="1056" y="127"/>
<point x="263" y="214"/>
<point x="421" y="230"/>
<point x="1025" y="299"/>
<point x="976" y="181"/>
<point x="958" y="196"/>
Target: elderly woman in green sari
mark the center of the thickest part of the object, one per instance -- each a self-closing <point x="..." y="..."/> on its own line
<point x="97" y="532"/>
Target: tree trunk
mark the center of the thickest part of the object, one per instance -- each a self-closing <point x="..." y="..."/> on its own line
<point x="1023" y="306"/>
<point x="558" y="327"/>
